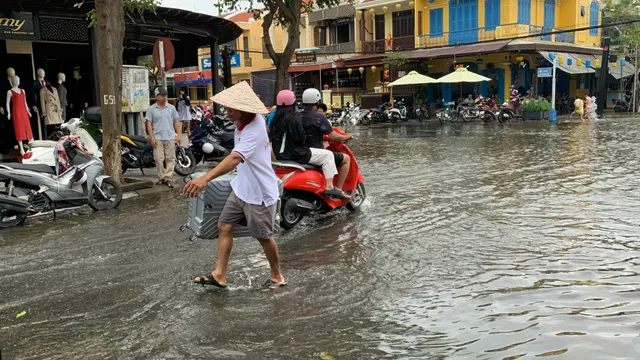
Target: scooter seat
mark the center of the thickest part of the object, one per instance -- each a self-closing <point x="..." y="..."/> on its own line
<point x="295" y="165"/>
<point x="42" y="144"/>
<point x="42" y="168"/>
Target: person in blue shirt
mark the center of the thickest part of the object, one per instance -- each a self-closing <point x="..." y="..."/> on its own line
<point x="271" y="115"/>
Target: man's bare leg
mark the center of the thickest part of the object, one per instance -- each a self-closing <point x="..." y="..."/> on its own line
<point x="225" y="244"/>
<point x="271" y="252"/>
<point x="343" y="171"/>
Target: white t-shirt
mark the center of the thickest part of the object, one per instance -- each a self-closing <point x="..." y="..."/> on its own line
<point x="256" y="182"/>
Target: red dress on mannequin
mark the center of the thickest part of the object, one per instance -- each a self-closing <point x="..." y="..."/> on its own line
<point x="20" y="117"/>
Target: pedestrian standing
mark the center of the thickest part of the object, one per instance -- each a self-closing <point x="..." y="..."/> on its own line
<point x="578" y="106"/>
<point x="588" y="106"/>
<point x="253" y="201"/>
<point x="184" y="106"/>
<point x="163" y="125"/>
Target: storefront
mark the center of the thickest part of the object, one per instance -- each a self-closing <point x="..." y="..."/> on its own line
<point x="54" y="36"/>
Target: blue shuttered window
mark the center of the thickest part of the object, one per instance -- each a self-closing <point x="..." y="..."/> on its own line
<point x="463" y="21"/>
<point x="594" y="9"/>
<point x="549" y="17"/>
<point x="524" y="12"/>
<point x="491" y="14"/>
<point x="436" y="22"/>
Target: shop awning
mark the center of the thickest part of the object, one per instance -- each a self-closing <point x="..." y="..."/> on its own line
<point x="573" y="68"/>
<point x="620" y="72"/>
<point x="457" y="50"/>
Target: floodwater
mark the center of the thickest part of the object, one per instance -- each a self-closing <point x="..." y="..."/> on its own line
<point x="476" y="242"/>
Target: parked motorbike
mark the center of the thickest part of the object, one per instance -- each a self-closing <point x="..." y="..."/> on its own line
<point x="137" y="153"/>
<point x="31" y="188"/>
<point x="399" y="112"/>
<point x="42" y="152"/>
<point x="304" y="184"/>
<point x="421" y="113"/>
<point x="209" y="142"/>
<point x="623" y="105"/>
<point x="508" y="110"/>
<point x="448" y="114"/>
<point x="379" y="114"/>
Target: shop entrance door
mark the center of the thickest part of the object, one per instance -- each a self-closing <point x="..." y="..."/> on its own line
<point x="22" y="64"/>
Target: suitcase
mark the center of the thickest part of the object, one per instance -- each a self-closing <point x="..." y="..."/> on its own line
<point x="205" y="209"/>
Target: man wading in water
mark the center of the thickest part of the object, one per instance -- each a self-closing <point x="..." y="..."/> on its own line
<point x="255" y="193"/>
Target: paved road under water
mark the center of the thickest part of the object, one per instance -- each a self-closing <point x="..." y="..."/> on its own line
<point x="484" y="242"/>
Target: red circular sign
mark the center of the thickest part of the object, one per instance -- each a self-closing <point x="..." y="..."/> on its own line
<point x="169" y="53"/>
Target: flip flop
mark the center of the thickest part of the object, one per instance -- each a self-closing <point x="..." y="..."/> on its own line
<point x="272" y="285"/>
<point x="208" y="279"/>
<point x="336" y="194"/>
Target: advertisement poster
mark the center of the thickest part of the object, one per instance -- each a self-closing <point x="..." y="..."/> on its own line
<point x="193" y="78"/>
<point x="135" y="89"/>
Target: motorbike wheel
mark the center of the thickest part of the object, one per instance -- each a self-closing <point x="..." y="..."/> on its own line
<point x="358" y="198"/>
<point x="454" y="116"/>
<point x="288" y="218"/>
<point x="111" y="189"/>
<point x="504" y="116"/>
<point x="488" y="117"/>
<point x="9" y="218"/>
<point x="442" y="119"/>
<point x="364" y="121"/>
<point x="185" y="162"/>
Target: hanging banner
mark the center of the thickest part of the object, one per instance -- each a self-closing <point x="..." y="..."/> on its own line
<point x="17" y="25"/>
<point x="192" y="78"/>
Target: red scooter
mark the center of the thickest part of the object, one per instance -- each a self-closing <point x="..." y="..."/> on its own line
<point x="304" y="184"/>
<point x="510" y="110"/>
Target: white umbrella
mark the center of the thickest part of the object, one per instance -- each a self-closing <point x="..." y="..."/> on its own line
<point x="414" y="78"/>
<point x="462" y="75"/>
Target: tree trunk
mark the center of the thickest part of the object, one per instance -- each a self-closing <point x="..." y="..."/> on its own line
<point x="281" y="75"/>
<point x="110" y="22"/>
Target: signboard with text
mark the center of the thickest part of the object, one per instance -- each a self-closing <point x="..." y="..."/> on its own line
<point x="206" y="63"/>
<point x="306" y="58"/>
<point x="17" y="25"/>
<point x="545" y="72"/>
<point x="193" y="78"/>
<point x="135" y="88"/>
<point x="235" y="61"/>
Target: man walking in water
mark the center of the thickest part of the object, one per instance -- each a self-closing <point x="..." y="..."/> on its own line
<point x="255" y="193"/>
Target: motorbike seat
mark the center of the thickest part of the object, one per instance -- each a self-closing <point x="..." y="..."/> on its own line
<point x="41" y="168"/>
<point x="138" y="138"/>
<point x="295" y="165"/>
<point x="42" y="144"/>
<point x="227" y="137"/>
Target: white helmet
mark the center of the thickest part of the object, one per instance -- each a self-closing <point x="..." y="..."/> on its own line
<point x="311" y="96"/>
<point x="207" y="148"/>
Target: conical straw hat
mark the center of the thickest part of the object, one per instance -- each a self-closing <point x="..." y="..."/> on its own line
<point x="240" y="97"/>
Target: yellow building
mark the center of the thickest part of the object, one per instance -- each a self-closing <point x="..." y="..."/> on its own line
<point x="506" y="40"/>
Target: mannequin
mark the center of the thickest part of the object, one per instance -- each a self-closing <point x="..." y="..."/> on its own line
<point x="18" y="108"/>
<point x="62" y="94"/>
<point x="51" y="108"/>
<point x="38" y="84"/>
<point x="6" y="86"/>
<point x="80" y="95"/>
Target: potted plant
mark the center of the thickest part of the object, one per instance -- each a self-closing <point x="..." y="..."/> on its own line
<point x="532" y="110"/>
<point x="545" y="107"/>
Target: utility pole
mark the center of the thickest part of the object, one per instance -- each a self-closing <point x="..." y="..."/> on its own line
<point x="553" y="115"/>
<point x="635" y="80"/>
<point x="604" y="67"/>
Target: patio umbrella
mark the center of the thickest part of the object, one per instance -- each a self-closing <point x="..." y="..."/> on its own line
<point x="413" y="78"/>
<point x="462" y="75"/>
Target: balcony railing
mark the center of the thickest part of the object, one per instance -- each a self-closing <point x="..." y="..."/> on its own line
<point x="377" y="46"/>
<point x="397" y="43"/>
<point x="344" y="48"/>
<point x="508" y="31"/>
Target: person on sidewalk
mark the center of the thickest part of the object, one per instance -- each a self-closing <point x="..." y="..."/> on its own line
<point x="163" y="123"/>
<point x="253" y="201"/>
<point x="316" y="125"/>
<point x="289" y="143"/>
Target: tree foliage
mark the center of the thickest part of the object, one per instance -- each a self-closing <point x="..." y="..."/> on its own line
<point x="285" y="14"/>
<point x="627" y="35"/>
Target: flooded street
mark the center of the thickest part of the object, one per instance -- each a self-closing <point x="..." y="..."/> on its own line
<point x="476" y="242"/>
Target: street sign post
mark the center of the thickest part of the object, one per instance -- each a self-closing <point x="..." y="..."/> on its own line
<point x="553" y="115"/>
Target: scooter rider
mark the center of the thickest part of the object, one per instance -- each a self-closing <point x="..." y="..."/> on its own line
<point x="288" y="142"/>
<point x="316" y="125"/>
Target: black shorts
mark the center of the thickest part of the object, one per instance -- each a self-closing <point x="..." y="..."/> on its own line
<point x="338" y="157"/>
